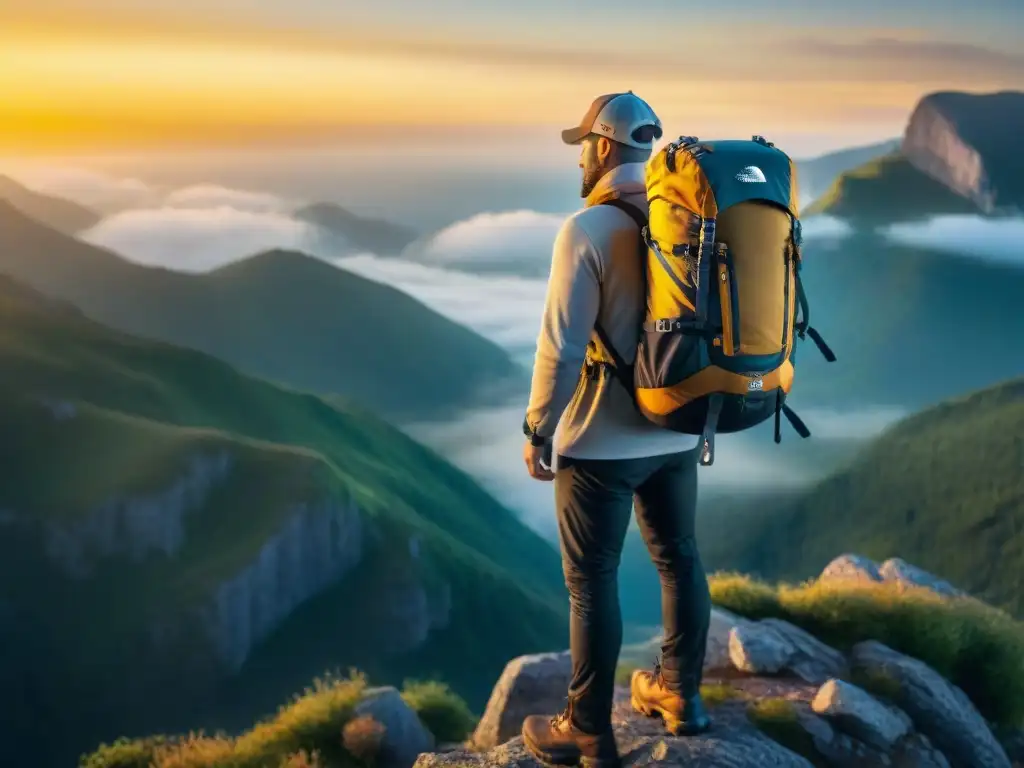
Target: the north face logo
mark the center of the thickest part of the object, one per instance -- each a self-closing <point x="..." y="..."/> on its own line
<point x="751" y="174"/>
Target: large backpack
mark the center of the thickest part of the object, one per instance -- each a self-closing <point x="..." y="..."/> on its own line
<point x="722" y="245"/>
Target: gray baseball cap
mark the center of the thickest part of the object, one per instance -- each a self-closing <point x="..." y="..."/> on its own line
<point x="617" y="116"/>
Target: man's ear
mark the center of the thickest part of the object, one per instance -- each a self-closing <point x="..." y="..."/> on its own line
<point x="604" y="149"/>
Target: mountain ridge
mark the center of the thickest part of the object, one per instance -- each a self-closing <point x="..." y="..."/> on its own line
<point x="411" y="363"/>
<point x="64" y="215"/>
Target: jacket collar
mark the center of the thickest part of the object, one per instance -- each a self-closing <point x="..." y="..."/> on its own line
<point x="625" y="179"/>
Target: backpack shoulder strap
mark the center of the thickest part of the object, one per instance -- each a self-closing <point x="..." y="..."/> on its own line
<point x="632" y="211"/>
<point x="623" y="372"/>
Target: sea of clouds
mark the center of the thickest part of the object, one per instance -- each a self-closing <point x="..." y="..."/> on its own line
<point x="488" y="272"/>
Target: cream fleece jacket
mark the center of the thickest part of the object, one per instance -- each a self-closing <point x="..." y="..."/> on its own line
<point x="597" y="273"/>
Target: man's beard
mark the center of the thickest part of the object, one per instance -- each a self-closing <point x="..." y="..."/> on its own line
<point x="590" y="178"/>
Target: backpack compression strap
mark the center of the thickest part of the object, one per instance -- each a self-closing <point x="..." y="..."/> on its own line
<point x="623" y="371"/>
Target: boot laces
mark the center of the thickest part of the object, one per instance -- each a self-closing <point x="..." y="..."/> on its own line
<point x="659" y="677"/>
<point x="563" y="717"/>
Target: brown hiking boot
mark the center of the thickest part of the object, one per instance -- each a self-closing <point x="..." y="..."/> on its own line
<point x="650" y="696"/>
<point x="557" y="741"/>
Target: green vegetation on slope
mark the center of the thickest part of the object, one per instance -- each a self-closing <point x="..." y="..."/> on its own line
<point x="888" y="190"/>
<point x="60" y="214"/>
<point x="281" y="315"/>
<point x="818" y="173"/>
<point x="315" y="730"/>
<point x="943" y="489"/>
<point x="91" y="415"/>
<point x="971" y="644"/>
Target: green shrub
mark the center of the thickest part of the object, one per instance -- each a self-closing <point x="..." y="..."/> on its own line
<point x="977" y="647"/>
<point x="441" y="710"/>
<point x="306" y="733"/>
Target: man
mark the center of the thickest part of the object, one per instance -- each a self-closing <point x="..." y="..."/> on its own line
<point x="607" y="456"/>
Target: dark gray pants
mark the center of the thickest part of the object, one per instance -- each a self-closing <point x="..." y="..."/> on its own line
<point x="594" y="500"/>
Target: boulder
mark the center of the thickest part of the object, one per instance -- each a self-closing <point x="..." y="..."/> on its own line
<point x="906" y="575"/>
<point x="859" y="714"/>
<point x="851" y="567"/>
<point x="717" y="657"/>
<point x="812" y="660"/>
<point x="842" y="750"/>
<point x="529" y="685"/>
<point x="939" y="709"/>
<point x="759" y="649"/>
<point x="916" y="751"/>
<point x="405" y="737"/>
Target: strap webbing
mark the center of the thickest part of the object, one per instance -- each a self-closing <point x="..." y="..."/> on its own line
<point x="621" y="369"/>
<point x="707" y="455"/>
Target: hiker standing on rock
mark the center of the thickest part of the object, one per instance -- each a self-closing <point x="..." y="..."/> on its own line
<point x="606" y="457"/>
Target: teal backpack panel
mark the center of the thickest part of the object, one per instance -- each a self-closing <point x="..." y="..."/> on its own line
<point x="742" y="170"/>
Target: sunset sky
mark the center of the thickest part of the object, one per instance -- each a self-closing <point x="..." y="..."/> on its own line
<point x="164" y="72"/>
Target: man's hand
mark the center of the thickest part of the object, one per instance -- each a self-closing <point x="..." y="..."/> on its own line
<point x="538" y="461"/>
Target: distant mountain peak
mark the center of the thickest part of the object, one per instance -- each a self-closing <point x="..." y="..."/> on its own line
<point x="968" y="142"/>
<point x="364" y="233"/>
<point x="63" y="215"/>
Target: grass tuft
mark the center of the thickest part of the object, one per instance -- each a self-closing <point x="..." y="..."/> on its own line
<point x="441" y="710"/>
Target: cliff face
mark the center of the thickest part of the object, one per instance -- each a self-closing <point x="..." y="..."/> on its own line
<point x="315" y="548"/>
<point x="968" y="142"/>
<point x="135" y="526"/>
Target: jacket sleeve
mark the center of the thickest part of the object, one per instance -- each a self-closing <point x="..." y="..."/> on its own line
<point x="570" y="311"/>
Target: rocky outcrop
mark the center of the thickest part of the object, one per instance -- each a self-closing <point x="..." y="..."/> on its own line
<point x="968" y="142"/>
<point x="770" y="646"/>
<point x="529" y="685"/>
<point x="900" y="572"/>
<point x="861" y="715"/>
<point x="850" y="567"/>
<point x="138" y="525"/>
<point x="780" y="698"/>
<point x="734" y="743"/>
<point x="314" y="549"/>
<point x="837" y="749"/>
<point x="938" y="708"/>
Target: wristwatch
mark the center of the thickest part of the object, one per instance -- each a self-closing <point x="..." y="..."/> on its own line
<point x="535" y="439"/>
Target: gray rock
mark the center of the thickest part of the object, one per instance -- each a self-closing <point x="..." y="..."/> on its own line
<point x="859" y="714"/>
<point x="1013" y="743"/>
<point x="722" y="748"/>
<point x="716" y="655"/>
<point x="840" y="750"/>
<point x="759" y="649"/>
<point x="405" y="737"/>
<point x="851" y="567"/>
<point x="916" y="751"/>
<point x="813" y="660"/>
<point x="529" y="685"/>
<point x="906" y="575"/>
<point x="939" y="709"/>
